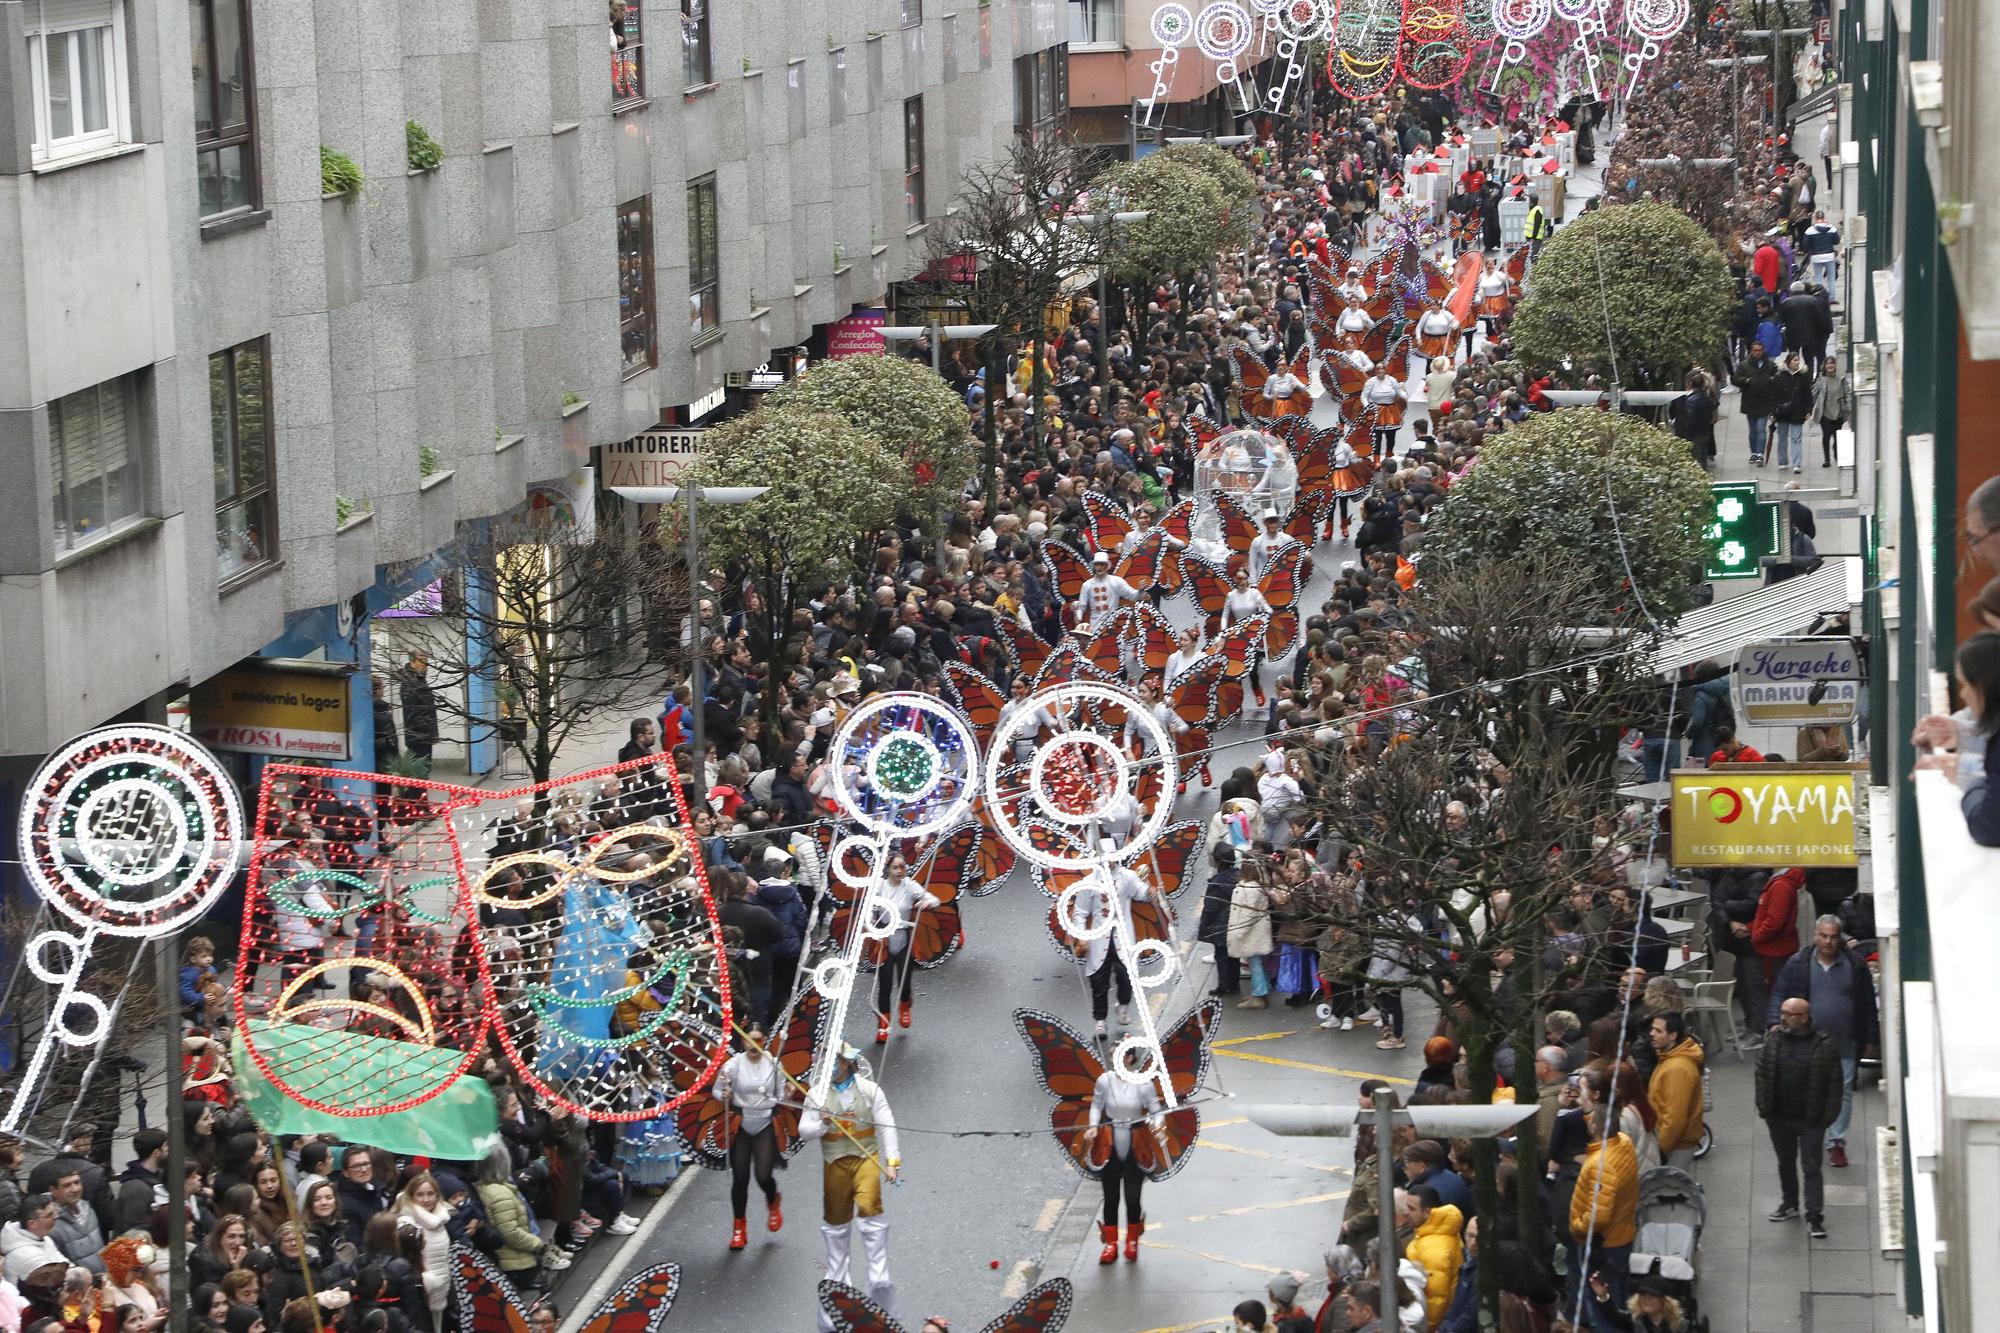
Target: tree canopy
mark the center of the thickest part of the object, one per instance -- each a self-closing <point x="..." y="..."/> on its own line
<point x="1192" y="214"/>
<point x="1646" y="270"/>
<point x="1550" y="484"/>
<point x="901" y="405"/>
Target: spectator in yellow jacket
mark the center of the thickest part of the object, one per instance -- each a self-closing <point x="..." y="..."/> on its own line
<point x="1439" y="1246"/>
<point x="1604" y="1210"/>
<point x="1675" y="1089"/>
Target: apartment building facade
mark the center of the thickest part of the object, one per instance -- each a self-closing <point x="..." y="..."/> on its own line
<point x="294" y="290"/>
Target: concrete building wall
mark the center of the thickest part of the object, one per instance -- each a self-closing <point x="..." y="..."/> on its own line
<point x="454" y="309"/>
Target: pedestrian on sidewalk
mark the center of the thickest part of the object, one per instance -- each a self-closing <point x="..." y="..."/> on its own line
<point x="1675" y="1090"/>
<point x="1756" y="378"/>
<point x="1250" y="937"/>
<point x="1795" y="404"/>
<point x="1833" y="402"/>
<point x="1829" y="973"/>
<point x="1213" y="928"/>
<point x="1822" y="247"/>
<point x="1797" y="1073"/>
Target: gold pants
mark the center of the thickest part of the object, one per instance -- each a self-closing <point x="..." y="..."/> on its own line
<point x="853" y="1188"/>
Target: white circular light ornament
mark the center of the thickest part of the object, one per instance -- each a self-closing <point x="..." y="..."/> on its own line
<point x="1085" y="919"/>
<point x="1136" y="1060"/>
<point x="1304" y="20"/>
<point x="1222" y="31"/>
<point x="1522" y="20"/>
<point x="1657" y="20"/>
<point x="1079" y="780"/>
<point x="131" y="830"/>
<point x="904" y="765"/>
<point x="1172" y="25"/>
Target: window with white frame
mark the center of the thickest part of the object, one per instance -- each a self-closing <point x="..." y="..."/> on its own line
<point x="95" y="439"/>
<point x="76" y="76"/>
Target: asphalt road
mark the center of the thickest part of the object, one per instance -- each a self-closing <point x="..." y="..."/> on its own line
<point x="982" y="1215"/>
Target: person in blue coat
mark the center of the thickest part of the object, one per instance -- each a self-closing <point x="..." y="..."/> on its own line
<point x="777" y="894"/>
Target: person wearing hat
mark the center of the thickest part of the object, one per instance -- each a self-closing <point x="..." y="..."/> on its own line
<point x="1283" y="1294"/>
<point x="856" y="1130"/>
<point x="1265" y="546"/>
<point x="1102" y="594"/>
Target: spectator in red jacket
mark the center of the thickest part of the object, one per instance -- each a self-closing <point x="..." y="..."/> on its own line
<point x="1729" y="750"/>
<point x="1774" y="931"/>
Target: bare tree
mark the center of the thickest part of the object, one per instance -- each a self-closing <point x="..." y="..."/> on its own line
<point x="1472" y="808"/>
<point x="544" y="631"/>
<point x="1008" y="252"/>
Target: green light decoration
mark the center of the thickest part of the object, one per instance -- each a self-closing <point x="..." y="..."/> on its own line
<point x="545" y="1002"/>
<point x="281" y="894"/>
<point x="904" y="768"/>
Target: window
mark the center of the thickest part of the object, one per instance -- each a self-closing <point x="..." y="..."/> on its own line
<point x="94" y="458"/>
<point x="913" y="12"/>
<point x="704" y="259"/>
<point x="836" y="86"/>
<point x="225" y="145"/>
<point x="696" y="58"/>
<point x="795" y="100"/>
<point x="1096" y="23"/>
<point x="239" y="426"/>
<point x="1041" y="91"/>
<point x="628" y="53"/>
<point x="635" y="286"/>
<point x="913" y="158"/>
<point x="76" y="77"/>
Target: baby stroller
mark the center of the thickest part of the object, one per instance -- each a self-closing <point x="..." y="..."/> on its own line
<point x="1672" y="1211"/>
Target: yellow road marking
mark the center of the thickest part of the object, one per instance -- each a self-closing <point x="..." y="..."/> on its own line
<point x="1313" y="1068"/>
<point x="1051" y="1211"/>
<point x="1214" y="1259"/>
<point x="1255" y="1036"/>
<point x="1264" y="1207"/>
<point x="1199" y="1326"/>
<point x="1220" y="1124"/>
<point x="1017" y="1281"/>
<point x="1269" y="1156"/>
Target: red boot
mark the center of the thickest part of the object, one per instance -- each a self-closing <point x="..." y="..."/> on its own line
<point x="777" y="1212"/>
<point x="881" y="1029"/>
<point x="903" y="1013"/>
<point x="1134" y="1230"/>
<point x="739" y="1234"/>
<point x="1108" y="1233"/>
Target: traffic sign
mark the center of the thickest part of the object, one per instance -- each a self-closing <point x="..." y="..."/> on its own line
<point x="1742" y="531"/>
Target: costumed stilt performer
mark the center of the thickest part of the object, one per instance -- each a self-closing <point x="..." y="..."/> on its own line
<point x="857" y="1134"/>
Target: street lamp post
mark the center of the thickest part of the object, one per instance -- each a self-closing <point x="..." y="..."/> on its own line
<point x="937" y="331"/>
<point x="1337" y="1120"/>
<point x="1736" y="60"/>
<point x="1105" y="222"/>
<point x="662" y="495"/>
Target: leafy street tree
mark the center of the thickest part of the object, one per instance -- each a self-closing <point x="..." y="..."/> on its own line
<point x="1007" y="254"/>
<point x="538" y="613"/>
<point x="1623" y="495"/>
<point x="1193" y="213"/>
<point x="832" y="484"/>
<point x="1645" y="273"/>
<point x="900" y="404"/>
<point x="1220" y="165"/>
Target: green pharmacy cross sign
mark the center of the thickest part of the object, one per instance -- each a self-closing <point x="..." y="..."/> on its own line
<point x="1742" y="530"/>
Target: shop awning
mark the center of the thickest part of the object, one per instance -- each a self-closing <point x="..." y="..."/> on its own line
<point x="1721" y="628"/>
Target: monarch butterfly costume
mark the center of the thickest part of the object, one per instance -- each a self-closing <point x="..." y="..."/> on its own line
<point x="857" y="1134"/>
<point x="1112" y="1129"/>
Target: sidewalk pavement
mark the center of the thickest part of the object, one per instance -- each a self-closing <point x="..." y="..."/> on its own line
<point x="1758" y="1274"/>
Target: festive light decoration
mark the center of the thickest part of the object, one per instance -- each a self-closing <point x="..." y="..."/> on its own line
<point x="1298" y="22"/>
<point x="1654" y="22"/>
<point x="1173" y="25"/>
<point x="131" y="831"/>
<point x="1222" y="32"/>
<point x="905" y="765"/>
<point x="571" y="920"/>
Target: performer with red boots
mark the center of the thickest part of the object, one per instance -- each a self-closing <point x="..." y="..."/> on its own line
<point x="1124" y="1109"/>
<point x="752" y="1084"/>
<point x="894" y="968"/>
